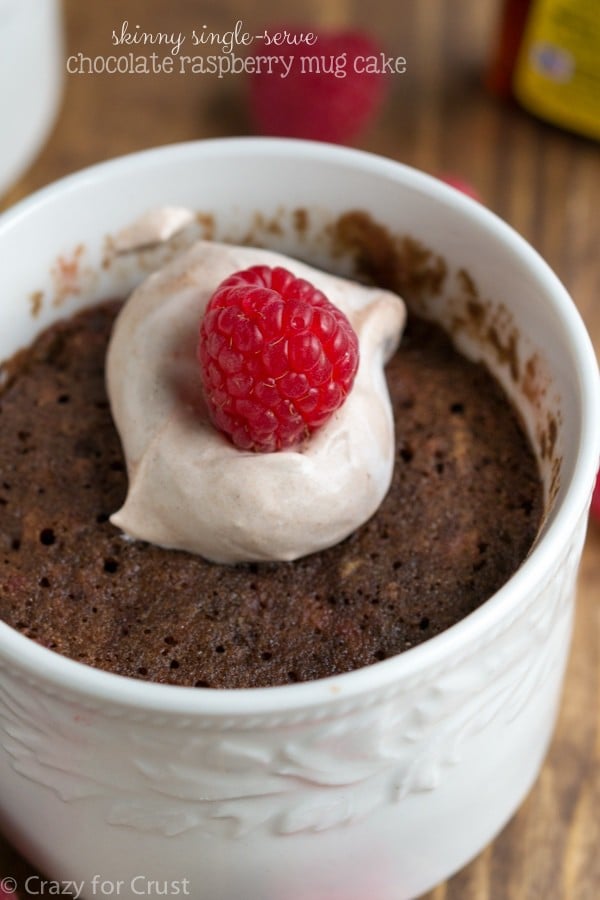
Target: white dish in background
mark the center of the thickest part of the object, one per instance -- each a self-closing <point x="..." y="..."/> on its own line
<point x="31" y="79"/>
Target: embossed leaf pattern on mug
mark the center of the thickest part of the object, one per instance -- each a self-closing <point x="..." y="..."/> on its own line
<point x="303" y="776"/>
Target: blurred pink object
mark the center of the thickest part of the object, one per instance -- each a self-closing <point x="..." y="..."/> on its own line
<point x="333" y="99"/>
<point x="595" y="507"/>
<point x="461" y="185"/>
<point x="4" y="893"/>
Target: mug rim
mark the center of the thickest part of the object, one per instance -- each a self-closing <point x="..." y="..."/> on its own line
<point x="64" y="674"/>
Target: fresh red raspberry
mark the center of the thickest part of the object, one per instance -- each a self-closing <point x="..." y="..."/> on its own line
<point x="333" y="89"/>
<point x="595" y="507"/>
<point x="277" y="358"/>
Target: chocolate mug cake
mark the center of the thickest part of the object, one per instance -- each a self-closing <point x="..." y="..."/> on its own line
<point x="327" y="786"/>
<point x="462" y="511"/>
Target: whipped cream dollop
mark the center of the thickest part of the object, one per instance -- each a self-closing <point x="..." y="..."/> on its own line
<point x="189" y="487"/>
<point x="153" y="227"/>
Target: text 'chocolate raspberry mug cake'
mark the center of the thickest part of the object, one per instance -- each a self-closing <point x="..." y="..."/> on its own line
<point x="293" y="494"/>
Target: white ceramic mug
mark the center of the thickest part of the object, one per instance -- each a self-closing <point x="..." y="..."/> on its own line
<point x="31" y="80"/>
<point x="378" y="783"/>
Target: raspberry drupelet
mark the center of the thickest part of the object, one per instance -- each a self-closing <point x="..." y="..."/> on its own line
<point x="277" y="358"/>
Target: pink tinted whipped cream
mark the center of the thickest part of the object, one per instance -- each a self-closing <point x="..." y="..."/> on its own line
<point x="153" y="227"/>
<point x="189" y="487"/>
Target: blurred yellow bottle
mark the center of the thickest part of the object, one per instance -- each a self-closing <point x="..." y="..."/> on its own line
<point x="548" y="58"/>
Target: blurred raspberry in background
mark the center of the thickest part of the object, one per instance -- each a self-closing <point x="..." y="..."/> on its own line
<point x="595" y="508"/>
<point x="334" y="89"/>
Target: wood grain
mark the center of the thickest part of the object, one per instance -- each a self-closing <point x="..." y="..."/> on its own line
<point x="544" y="182"/>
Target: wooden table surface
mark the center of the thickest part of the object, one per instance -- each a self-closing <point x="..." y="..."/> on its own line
<point x="544" y="182"/>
